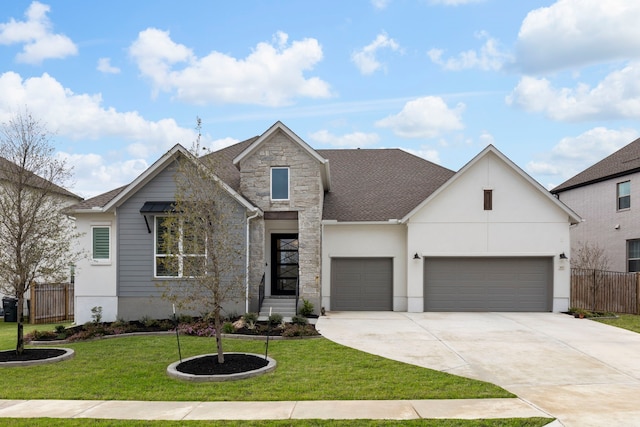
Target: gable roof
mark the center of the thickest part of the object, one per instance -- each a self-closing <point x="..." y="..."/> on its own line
<point x="8" y="168"/>
<point x="625" y="161"/>
<point x="378" y="184"/>
<point x="279" y="126"/>
<point x="108" y="201"/>
<point x="573" y="217"/>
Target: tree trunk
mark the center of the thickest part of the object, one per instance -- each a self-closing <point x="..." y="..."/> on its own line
<point x="20" y="343"/>
<point x="218" y="326"/>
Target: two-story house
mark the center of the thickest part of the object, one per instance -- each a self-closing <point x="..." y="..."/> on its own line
<point x="607" y="196"/>
<point x="374" y="229"/>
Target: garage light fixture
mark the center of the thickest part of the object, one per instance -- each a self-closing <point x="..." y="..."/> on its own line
<point x="563" y="256"/>
<point x="416" y="256"/>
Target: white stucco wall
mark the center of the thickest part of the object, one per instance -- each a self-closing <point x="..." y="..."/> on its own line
<point x="95" y="281"/>
<point x="364" y="240"/>
<point x="523" y="222"/>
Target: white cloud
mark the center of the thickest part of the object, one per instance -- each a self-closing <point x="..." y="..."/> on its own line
<point x="572" y="155"/>
<point x="93" y="174"/>
<point x="349" y="140"/>
<point x="104" y="66"/>
<point x="616" y="96"/>
<point x="380" y="4"/>
<point x="35" y="34"/>
<point x="82" y="116"/>
<point x="572" y="33"/>
<point x="425" y="117"/>
<point x="272" y="74"/>
<point x="491" y="56"/>
<point x="366" y="60"/>
<point x="425" y="153"/>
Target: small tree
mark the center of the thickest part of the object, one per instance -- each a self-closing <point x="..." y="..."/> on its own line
<point x="203" y="242"/>
<point x="590" y="256"/>
<point x="36" y="237"/>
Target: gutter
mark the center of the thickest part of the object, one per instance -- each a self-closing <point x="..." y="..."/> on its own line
<point x="246" y="275"/>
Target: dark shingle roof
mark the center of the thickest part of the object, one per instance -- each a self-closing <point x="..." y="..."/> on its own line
<point x="366" y="185"/>
<point x="378" y="184"/>
<point x="8" y="169"/>
<point x="98" y="201"/>
<point x="623" y="162"/>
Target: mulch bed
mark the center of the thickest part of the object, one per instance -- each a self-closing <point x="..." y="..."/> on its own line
<point x="233" y="364"/>
<point x="30" y="354"/>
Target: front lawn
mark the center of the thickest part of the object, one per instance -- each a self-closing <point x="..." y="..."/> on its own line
<point x="134" y="368"/>
<point x="625" y="321"/>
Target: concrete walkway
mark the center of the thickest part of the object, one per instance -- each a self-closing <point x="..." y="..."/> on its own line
<point x="581" y="372"/>
<point x="340" y="410"/>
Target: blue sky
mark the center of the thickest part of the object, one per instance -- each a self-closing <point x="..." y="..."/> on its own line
<point x="554" y="85"/>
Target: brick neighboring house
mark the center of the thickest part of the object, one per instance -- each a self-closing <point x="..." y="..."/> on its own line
<point x="607" y="196"/>
<point x="374" y="229"/>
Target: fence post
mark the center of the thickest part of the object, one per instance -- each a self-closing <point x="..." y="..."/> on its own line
<point x="32" y="304"/>
<point x="637" y="293"/>
<point x="66" y="301"/>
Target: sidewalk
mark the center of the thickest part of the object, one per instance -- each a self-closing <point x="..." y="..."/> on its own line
<point x="327" y="409"/>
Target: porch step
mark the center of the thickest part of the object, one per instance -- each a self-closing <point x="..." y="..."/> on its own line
<point x="286" y="306"/>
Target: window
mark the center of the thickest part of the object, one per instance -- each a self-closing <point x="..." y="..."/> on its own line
<point x="488" y="200"/>
<point x="624" y="195"/>
<point x="100" y="248"/>
<point x="179" y="249"/>
<point x="279" y="183"/>
<point x="633" y="255"/>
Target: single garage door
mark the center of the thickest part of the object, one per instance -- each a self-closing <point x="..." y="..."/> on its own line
<point x="361" y="284"/>
<point x="488" y="284"/>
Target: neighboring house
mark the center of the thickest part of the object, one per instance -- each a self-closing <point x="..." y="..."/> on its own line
<point x="607" y="196"/>
<point x="376" y="229"/>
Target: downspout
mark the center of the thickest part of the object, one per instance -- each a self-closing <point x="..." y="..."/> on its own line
<point x="246" y="298"/>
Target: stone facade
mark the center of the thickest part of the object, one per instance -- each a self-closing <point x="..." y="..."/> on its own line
<point x="306" y="195"/>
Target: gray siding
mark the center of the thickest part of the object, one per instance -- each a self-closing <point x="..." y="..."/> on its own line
<point x="138" y="291"/>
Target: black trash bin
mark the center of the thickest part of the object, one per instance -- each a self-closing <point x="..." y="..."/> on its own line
<point x="10" y="307"/>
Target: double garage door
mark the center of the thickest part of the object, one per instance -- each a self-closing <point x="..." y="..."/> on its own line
<point x="450" y="284"/>
<point x="488" y="284"/>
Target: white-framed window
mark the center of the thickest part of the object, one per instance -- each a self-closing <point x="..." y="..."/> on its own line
<point x="280" y="183"/>
<point x="624" y="195"/>
<point x="633" y="255"/>
<point x="101" y="243"/>
<point x="182" y="255"/>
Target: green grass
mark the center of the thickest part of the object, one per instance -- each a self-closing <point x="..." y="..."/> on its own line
<point x="134" y="368"/>
<point x="625" y="321"/>
<point x="52" y="422"/>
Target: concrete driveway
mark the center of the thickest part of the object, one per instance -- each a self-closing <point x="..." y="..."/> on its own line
<point x="582" y="372"/>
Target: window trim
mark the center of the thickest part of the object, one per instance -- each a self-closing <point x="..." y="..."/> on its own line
<point x="629" y="259"/>
<point x="181" y="256"/>
<point x="100" y="261"/>
<point x="488" y="199"/>
<point x="619" y="197"/>
<point x="274" y="168"/>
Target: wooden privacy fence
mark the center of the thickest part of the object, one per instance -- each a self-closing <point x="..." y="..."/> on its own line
<point x="51" y="302"/>
<point x="598" y="290"/>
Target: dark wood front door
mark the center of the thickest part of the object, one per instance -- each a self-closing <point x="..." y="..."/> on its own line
<point x="284" y="264"/>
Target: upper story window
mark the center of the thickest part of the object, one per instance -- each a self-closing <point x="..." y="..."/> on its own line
<point x="488" y="200"/>
<point x="633" y="255"/>
<point x="624" y="195"/>
<point x="179" y="250"/>
<point x="101" y="243"/>
<point x="280" y="183"/>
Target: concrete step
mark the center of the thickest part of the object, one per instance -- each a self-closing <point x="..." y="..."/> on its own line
<point x="285" y="306"/>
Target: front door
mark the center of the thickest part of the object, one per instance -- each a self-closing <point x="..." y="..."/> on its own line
<point x="284" y="264"/>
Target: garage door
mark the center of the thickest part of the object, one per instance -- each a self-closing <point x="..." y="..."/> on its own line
<point x="361" y="284"/>
<point x="488" y="284"/>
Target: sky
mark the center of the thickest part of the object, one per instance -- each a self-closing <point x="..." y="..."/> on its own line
<point x="554" y="85"/>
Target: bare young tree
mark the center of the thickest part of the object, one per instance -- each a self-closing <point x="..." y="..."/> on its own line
<point x="589" y="256"/>
<point x="203" y="239"/>
<point x="36" y="238"/>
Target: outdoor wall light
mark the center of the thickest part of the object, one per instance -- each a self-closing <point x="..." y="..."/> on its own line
<point x="416" y="256"/>
<point x="563" y="256"/>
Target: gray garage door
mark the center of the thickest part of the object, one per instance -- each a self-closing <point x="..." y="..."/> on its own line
<point x="361" y="284"/>
<point x="488" y="284"/>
